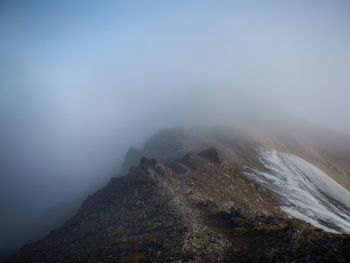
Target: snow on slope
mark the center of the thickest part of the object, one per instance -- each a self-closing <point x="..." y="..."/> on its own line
<point x="305" y="191"/>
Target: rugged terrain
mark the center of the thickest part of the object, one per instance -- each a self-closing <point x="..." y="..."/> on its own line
<point x="191" y="200"/>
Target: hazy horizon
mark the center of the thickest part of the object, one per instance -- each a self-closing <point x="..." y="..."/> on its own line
<point x="82" y="81"/>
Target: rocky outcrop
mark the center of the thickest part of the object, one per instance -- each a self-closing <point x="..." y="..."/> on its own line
<point x="166" y="144"/>
<point x="132" y="157"/>
<point x="211" y="154"/>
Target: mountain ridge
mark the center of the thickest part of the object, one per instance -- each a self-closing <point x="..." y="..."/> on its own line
<point x="191" y="202"/>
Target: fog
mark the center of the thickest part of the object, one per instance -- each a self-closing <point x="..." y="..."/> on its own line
<point x="82" y="81"/>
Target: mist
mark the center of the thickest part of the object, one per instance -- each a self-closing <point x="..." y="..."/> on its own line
<point x="82" y="81"/>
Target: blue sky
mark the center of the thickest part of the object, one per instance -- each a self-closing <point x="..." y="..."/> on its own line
<point x="73" y="66"/>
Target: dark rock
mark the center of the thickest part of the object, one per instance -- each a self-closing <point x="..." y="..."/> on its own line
<point x="148" y="164"/>
<point x="132" y="157"/>
<point x="165" y="143"/>
<point x="177" y="168"/>
<point x="211" y="154"/>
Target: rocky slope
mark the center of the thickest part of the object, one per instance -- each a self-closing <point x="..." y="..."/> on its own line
<point x="193" y="203"/>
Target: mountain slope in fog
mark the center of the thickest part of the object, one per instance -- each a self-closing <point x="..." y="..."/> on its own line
<point x="305" y="191"/>
<point x="195" y="202"/>
<point x="199" y="210"/>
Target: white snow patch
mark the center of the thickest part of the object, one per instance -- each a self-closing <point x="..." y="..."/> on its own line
<point x="305" y="191"/>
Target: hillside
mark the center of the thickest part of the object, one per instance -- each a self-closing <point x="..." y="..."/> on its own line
<point x="193" y="202"/>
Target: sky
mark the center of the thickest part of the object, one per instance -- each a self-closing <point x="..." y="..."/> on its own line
<point x="81" y="81"/>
